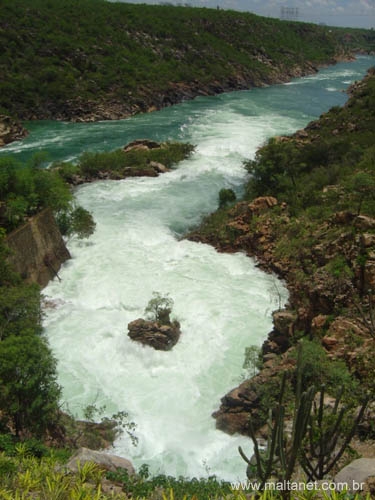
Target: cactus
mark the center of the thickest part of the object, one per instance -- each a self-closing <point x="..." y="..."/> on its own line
<point x="317" y="441"/>
<point x="282" y="453"/>
<point x="326" y="439"/>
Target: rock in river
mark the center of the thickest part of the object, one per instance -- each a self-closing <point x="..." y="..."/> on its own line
<point x="155" y="334"/>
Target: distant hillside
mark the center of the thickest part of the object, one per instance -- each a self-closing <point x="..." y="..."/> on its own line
<point x="91" y="59"/>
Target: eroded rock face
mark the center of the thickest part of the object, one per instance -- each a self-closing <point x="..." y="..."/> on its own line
<point x="154" y="334"/>
<point x="244" y="401"/>
<point x="38" y="249"/>
<point x="10" y="130"/>
<point x="103" y="460"/>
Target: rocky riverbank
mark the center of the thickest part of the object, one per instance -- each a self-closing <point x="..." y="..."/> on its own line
<point x="328" y="263"/>
<point x="123" y="59"/>
<point x="10" y="130"/>
<point x="315" y="301"/>
<point x="147" y="99"/>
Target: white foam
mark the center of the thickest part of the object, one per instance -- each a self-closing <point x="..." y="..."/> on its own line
<point x="223" y="302"/>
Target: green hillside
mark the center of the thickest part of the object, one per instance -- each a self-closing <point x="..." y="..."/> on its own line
<point x="91" y="59"/>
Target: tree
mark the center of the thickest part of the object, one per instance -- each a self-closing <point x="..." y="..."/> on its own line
<point x="226" y="196"/>
<point x="20" y="310"/>
<point x="82" y="222"/>
<point x="29" y="393"/>
<point x="251" y="361"/>
<point x="76" y="220"/>
<point x="159" y="308"/>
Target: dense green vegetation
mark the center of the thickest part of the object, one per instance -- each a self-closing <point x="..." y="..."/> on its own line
<point x="327" y="169"/>
<point x="25" y="189"/>
<point x="29" y="394"/>
<point x="119" y="164"/>
<point x="62" y="58"/>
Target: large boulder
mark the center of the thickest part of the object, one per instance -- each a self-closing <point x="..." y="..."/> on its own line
<point x="103" y="460"/>
<point x="283" y="321"/>
<point x="154" y="334"/>
<point x="357" y="474"/>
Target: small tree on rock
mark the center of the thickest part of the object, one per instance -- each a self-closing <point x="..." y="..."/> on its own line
<point x="159" y="308"/>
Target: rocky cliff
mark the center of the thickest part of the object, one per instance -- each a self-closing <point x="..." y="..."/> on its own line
<point x="38" y="249"/>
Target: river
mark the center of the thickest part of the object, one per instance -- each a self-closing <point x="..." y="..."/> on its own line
<point x="223" y="302"/>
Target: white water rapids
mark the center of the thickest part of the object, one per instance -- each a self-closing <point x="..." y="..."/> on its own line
<point x="223" y="302"/>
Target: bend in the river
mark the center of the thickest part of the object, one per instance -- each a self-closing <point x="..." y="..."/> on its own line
<point x="223" y="302"/>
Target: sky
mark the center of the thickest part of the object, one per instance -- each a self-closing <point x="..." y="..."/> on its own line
<point x="353" y="13"/>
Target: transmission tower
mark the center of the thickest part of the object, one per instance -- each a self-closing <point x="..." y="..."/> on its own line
<point x="289" y="13"/>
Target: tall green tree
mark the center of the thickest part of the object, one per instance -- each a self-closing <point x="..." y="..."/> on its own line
<point x="29" y="392"/>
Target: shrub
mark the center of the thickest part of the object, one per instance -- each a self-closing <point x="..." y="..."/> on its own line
<point x="318" y="369"/>
<point x="226" y="196"/>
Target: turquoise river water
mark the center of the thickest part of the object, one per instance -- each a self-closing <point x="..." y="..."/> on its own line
<point x="223" y="302"/>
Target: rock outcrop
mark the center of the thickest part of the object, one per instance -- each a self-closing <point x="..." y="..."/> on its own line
<point x="154" y="334"/>
<point x="103" y="460"/>
<point x="37" y="249"/>
<point x="311" y="301"/>
<point x="262" y="203"/>
<point x="141" y="145"/>
<point x="236" y="406"/>
<point x="10" y="130"/>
